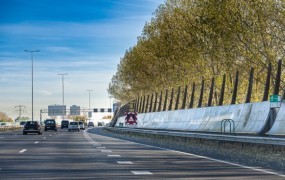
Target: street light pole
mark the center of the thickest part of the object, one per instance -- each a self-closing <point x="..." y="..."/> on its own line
<point x="89" y="90"/>
<point x="32" y="58"/>
<point x="111" y="106"/>
<point x="62" y="94"/>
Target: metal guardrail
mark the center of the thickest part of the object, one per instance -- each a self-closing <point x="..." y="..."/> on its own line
<point x="9" y="128"/>
<point x="232" y="138"/>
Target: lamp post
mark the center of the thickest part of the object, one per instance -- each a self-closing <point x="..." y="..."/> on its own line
<point x="62" y="75"/>
<point x="32" y="58"/>
<point x="89" y="90"/>
<point x="111" y="106"/>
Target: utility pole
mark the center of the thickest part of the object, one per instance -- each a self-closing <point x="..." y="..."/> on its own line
<point x="20" y="109"/>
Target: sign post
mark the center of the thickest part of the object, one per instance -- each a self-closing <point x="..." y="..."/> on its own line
<point x="275" y="102"/>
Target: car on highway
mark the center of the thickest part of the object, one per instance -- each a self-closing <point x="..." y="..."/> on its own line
<point x="81" y="125"/>
<point x="64" y="124"/>
<point x="100" y="123"/>
<point x="22" y="123"/>
<point x="90" y="124"/>
<point x="50" y="124"/>
<point x="73" y="126"/>
<point x="32" y="127"/>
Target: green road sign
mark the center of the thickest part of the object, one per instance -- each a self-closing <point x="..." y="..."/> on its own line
<point x="275" y="98"/>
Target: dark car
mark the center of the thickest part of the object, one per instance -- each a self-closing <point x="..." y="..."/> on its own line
<point x="22" y="123"/>
<point x="32" y="127"/>
<point x="90" y="124"/>
<point x="50" y="124"/>
<point x="64" y="124"/>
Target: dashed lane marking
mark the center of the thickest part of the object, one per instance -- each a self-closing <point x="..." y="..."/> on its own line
<point x="101" y="147"/>
<point x="106" y="151"/>
<point x="97" y="145"/>
<point x="114" y="155"/>
<point x="36" y="142"/>
<point x="141" y="172"/>
<point x="23" y="150"/>
<point x="125" y="162"/>
<point x="44" y="137"/>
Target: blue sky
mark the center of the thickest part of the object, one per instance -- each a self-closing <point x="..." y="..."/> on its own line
<point x="84" y="38"/>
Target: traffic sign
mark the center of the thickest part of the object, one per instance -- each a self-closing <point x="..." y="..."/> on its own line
<point x="275" y="100"/>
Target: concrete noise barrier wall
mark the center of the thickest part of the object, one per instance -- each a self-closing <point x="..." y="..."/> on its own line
<point x="278" y="127"/>
<point x="247" y="118"/>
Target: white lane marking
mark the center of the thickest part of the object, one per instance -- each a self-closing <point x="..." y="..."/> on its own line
<point x="97" y="145"/>
<point x="44" y="137"/>
<point x="125" y="162"/>
<point x="1" y="137"/>
<point x="217" y="160"/>
<point x="23" y="150"/>
<point x="141" y="172"/>
<point x="114" y="155"/>
<point x="106" y="151"/>
<point x="50" y="135"/>
<point x="101" y="147"/>
<point x="36" y="142"/>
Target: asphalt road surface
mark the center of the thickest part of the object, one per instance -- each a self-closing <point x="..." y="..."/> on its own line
<point x="86" y="155"/>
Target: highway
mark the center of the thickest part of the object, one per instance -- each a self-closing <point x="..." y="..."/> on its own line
<point x="87" y="155"/>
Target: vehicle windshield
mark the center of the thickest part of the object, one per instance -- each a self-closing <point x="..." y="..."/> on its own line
<point x="73" y="123"/>
<point x="50" y="122"/>
<point x="80" y="123"/>
<point x="31" y="123"/>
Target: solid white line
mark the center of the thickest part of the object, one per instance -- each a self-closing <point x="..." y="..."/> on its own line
<point x="23" y="150"/>
<point x="36" y="142"/>
<point x="141" y="172"/>
<point x="217" y="160"/>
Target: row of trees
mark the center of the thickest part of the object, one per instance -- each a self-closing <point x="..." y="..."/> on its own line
<point x="4" y="117"/>
<point x="190" y="39"/>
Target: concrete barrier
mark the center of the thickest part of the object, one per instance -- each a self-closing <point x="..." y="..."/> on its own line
<point x="247" y="118"/>
<point x="278" y="127"/>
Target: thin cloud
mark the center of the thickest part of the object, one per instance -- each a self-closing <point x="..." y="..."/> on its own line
<point x="59" y="49"/>
<point x="45" y="92"/>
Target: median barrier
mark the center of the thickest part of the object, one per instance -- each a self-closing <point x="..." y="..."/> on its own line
<point x="278" y="127"/>
<point x="249" y="118"/>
